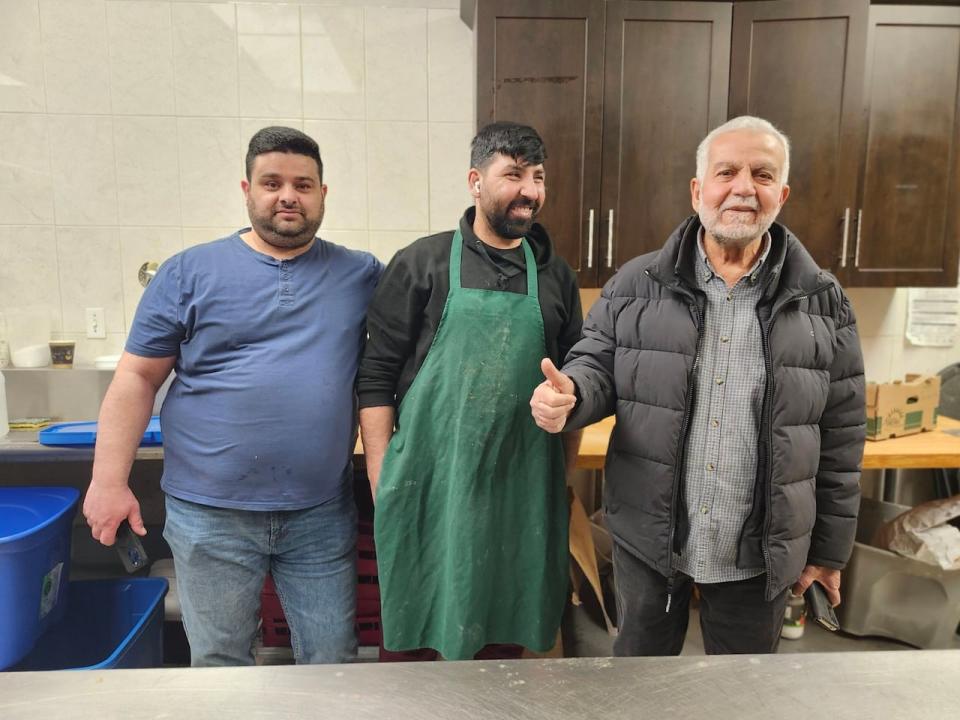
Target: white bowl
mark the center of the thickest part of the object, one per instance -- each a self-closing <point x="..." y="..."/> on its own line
<point x="31" y="356"/>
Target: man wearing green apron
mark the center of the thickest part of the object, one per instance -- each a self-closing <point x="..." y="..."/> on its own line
<point x="471" y="509"/>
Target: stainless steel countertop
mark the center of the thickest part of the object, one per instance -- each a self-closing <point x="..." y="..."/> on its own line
<point x="832" y="686"/>
<point x="22" y="446"/>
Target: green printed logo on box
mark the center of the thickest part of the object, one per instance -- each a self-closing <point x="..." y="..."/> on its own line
<point x="913" y="420"/>
<point x="873" y="426"/>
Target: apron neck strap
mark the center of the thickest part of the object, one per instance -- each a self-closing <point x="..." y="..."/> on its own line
<point x="456" y="253"/>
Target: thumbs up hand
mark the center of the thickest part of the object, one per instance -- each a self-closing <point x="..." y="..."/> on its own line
<point x="553" y="399"/>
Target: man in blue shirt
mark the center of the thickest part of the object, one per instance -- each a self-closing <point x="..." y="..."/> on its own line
<point x="264" y="329"/>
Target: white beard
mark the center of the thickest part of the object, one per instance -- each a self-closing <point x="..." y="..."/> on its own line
<point x="741" y="231"/>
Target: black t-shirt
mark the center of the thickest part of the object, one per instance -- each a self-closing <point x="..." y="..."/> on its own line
<point x="405" y="312"/>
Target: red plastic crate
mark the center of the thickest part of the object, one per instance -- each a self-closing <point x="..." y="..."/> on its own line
<point x="368" y="585"/>
<point x="369" y="631"/>
<point x="366" y="556"/>
<point x="274" y="629"/>
<point x="273" y="623"/>
<point x="368" y="601"/>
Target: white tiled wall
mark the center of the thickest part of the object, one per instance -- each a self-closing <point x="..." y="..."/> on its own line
<point x="881" y="319"/>
<point x="123" y="125"/>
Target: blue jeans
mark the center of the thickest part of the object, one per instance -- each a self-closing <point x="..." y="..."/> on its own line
<point x="222" y="557"/>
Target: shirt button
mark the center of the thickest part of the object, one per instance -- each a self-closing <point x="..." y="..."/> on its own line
<point x="710" y="467"/>
<point x="724" y="338"/>
<point x="715" y="423"/>
<point x="719" y="381"/>
<point x="704" y="510"/>
<point x="729" y="296"/>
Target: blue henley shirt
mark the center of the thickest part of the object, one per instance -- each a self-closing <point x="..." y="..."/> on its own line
<point x="261" y="415"/>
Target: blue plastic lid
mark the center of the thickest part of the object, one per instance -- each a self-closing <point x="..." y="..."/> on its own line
<point x="84" y="434"/>
<point x="25" y="510"/>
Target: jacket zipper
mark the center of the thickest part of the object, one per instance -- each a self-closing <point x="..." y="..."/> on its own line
<point x="768" y="404"/>
<point x="768" y="401"/>
<point x="681" y="450"/>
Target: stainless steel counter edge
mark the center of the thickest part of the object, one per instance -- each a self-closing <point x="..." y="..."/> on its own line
<point x="839" y="686"/>
<point x="22" y="446"/>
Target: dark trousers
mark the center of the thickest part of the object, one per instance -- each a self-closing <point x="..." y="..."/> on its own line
<point x="734" y="616"/>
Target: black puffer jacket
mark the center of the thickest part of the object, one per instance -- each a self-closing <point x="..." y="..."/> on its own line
<point x="637" y="359"/>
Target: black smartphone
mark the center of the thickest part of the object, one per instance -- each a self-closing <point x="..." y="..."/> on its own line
<point x="819" y="608"/>
<point x="130" y="549"/>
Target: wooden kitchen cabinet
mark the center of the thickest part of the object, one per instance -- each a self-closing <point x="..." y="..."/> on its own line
<point x="908" y="229"/>
<point x="622" y="92"/>
<point x="665" y="88"/>
<point x="540" y="62"/>
<point x="799" y="64"/>
<point x="868" y="96"/>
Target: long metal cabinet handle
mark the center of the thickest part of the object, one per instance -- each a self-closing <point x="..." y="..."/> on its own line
<point x="856" y="250"/>
<point x="846" y="237"/>
<point x="590" y="240"/>
<point x="610" y="239"/>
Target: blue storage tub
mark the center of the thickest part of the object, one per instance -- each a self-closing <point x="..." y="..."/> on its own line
<point x="84" y="434"/>
<point x="34" y="564"/>
<point x="114" y="623"/>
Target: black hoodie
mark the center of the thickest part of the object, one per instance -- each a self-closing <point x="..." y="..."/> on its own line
<point x="405" y="312"/>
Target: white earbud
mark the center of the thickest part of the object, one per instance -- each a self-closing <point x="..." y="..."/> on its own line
<point x="476" y="186"/>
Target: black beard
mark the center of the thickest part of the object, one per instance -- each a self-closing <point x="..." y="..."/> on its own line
<point x="287" y="239"/>
<point x="509" y="229"/>
<point x="284" y="239"/>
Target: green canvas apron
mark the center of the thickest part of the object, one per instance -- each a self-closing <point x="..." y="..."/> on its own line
<point x="471" y="512"/>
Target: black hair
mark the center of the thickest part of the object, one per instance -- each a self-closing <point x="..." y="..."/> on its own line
<point x="285" y="140"/>
<point x="521" y="142"/>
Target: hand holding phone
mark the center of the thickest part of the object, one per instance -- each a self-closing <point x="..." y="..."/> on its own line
<point x="819" y="608"/>
<point x="130" y="549"/>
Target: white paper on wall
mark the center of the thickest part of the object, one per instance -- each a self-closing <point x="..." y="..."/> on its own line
<point x="932" y="315"/>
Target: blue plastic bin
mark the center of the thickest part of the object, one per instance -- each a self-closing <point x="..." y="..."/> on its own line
<point x="115" y="623"/>
<point x="34" y="564"/>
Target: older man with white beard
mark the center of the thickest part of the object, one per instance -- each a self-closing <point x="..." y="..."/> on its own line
<point x="734" y="368"/>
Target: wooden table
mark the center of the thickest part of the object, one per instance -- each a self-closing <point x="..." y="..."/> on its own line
<point x="937" y="449"/>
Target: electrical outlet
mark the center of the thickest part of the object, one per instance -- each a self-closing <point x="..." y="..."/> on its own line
<point x="95" y="325"/>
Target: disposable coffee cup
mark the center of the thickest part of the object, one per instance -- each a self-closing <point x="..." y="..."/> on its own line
<point x="61" y="353"/>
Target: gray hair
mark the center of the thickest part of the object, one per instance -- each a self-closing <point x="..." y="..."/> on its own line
<point x="744" y="122"/>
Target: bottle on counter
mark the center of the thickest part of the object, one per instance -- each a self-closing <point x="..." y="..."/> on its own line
<point x="794" y="617"/>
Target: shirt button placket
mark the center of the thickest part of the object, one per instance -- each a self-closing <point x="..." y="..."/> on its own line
<point x="286" y="290"/>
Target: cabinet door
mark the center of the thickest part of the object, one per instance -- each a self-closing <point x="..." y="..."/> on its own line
<point x="799" y="64"/>
<point x="665" y="88"/>
<point x="908" y="230"/>
<point x="540" y="62"/>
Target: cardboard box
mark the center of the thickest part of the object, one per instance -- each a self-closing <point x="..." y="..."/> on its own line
<point x="902" y="407"/>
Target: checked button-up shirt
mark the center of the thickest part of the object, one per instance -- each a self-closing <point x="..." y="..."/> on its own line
<point x="720" y="465"/>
